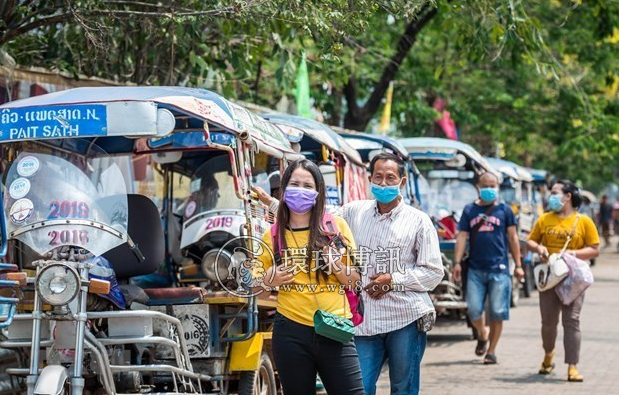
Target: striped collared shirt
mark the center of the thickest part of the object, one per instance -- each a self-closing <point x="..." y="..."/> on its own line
<point x="408" y="248"/>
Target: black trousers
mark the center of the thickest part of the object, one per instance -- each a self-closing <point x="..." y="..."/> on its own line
<point x="300" y="353"/>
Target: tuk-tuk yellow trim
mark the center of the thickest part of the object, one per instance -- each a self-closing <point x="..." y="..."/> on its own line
<point x="238" y="300"/>
<point x="224" y="300"/>
<point x="245" y="355"/>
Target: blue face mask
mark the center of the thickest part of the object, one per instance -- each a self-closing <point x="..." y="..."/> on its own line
<point x="488" y="194"/>
<point x="386" y="194"/>
<point x="554" y="203"/>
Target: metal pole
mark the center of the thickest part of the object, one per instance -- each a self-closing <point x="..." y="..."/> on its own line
<point x="31" y="380"/>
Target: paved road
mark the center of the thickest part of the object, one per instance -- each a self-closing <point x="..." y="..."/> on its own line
<point x="451" y="367"/>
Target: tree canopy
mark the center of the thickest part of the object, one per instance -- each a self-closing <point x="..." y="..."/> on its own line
<point x="541" y="78"/>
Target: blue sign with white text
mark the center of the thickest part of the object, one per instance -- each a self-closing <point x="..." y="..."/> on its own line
<point x="32" y="123"/>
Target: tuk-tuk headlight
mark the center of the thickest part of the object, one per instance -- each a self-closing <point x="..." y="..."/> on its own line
<point x="58" y="284"/>
<point x="217" y="260"/>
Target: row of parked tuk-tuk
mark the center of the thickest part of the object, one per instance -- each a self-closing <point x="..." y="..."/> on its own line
<point x="129" y="226"/>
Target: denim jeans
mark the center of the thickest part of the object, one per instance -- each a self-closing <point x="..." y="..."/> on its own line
<point x="496" y="286"/>
<point x="300" y="353"/>
<point x="403" y="349"/>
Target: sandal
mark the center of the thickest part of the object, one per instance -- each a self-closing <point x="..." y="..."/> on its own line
<point x="547" y="365"/>
<point x="482" y="345"/>
<point x="490" y="359"/>
<point x="574" y="376"/>
<point x="546" y="369"/>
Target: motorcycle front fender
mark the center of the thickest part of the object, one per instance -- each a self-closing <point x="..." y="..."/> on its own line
<point x="52" y="380"/>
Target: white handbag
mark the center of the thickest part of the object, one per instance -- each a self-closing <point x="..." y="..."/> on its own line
<point x="548" y="275"/>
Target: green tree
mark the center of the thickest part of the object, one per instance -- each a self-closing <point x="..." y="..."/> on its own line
<point x="540" y="77"/>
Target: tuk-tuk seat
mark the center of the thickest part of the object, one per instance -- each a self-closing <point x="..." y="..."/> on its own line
<point x="144" y="228"/>
<point x="175" y="296"/>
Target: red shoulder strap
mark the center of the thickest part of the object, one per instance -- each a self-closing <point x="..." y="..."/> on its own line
<point x="276" y="244"/>
<point x="328" y="223"/>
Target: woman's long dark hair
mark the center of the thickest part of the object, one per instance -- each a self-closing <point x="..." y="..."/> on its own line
<point x="317" y="236"/>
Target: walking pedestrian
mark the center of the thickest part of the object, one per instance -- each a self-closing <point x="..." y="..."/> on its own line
<point x="605" y="217"/>
<point x="549" y="235"/>
<point x="401" y="262"/>
<point x="616" y="221"/>
<point x="315" y="284"/>
<point x="490" y="229"/>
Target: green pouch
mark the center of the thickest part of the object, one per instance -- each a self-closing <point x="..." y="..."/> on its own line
<point x="333" y="326"/>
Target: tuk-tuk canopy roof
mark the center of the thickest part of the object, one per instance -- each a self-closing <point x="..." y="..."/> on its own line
<point x="433" y="148"/>
<point x="538" y="174"/>
<point x="365" y="141"/>
<point x="589" y="195"/>
<point x="369" y="141"/>
<point x="318" y="132"/>
<point x="132" y="112"/>
<point x="511" y="169"/>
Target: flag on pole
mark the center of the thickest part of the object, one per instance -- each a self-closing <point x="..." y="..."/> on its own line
<point x="385" y="119"/>
<point x="443" y="121"/>
<point x="303" y="90"/>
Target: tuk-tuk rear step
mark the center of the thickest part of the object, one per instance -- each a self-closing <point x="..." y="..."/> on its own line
<point x="159" y="368"/>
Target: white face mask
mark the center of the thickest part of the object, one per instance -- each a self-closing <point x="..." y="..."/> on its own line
<point x="555" y="203"/>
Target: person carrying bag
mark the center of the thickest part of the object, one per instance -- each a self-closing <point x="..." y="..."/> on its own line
<point x="326" y="323"/>
<point x="312" y="330"/>
<point x="472" y="236"/>
<point x="549" y="275"/>
<point x="558" y="236"/>
<point x="490" y="227"/>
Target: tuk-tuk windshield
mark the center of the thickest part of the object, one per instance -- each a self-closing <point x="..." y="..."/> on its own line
<point x="52" y="201"/>
<point x="212" y="187"/>
<point x="450" y="195"/>
<point x="508" y="195"/>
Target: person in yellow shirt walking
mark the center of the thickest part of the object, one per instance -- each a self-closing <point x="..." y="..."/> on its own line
<point x="311" y="276"/>
<point x="549" y="236"/>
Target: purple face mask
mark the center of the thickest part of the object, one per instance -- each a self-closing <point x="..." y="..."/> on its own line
<point x="300" y="200"/>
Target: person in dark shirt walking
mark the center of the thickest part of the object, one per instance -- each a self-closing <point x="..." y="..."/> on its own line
<point x="605" y="217"/>
<point x="490" y="229"/>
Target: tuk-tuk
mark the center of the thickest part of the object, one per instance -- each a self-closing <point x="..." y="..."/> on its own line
<point x="516" y="190"/>
<point x="71" y="217"/>
<point x="340" y="163"/>
<point x="368" y="145"/>
<point x="450" y="170"/>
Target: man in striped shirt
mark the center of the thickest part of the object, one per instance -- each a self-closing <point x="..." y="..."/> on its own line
<point x="400" y="260"/>
<point x="395" y="294"/>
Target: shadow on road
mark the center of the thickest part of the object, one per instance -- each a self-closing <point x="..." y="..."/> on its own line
<point x="452" y="363"/>
<point x="531" y="378"/>
<point x="447" y="337"/>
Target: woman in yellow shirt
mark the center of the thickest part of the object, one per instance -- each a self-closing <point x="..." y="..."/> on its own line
<point x="310" y="277"/>
<point x="548" y="237"/>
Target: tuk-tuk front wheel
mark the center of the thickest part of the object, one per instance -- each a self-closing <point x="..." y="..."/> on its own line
<point x="261" y="381"/>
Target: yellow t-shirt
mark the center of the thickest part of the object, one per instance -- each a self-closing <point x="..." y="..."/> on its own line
<point x="551" y="231"/>
<point x="300" y="300"/>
